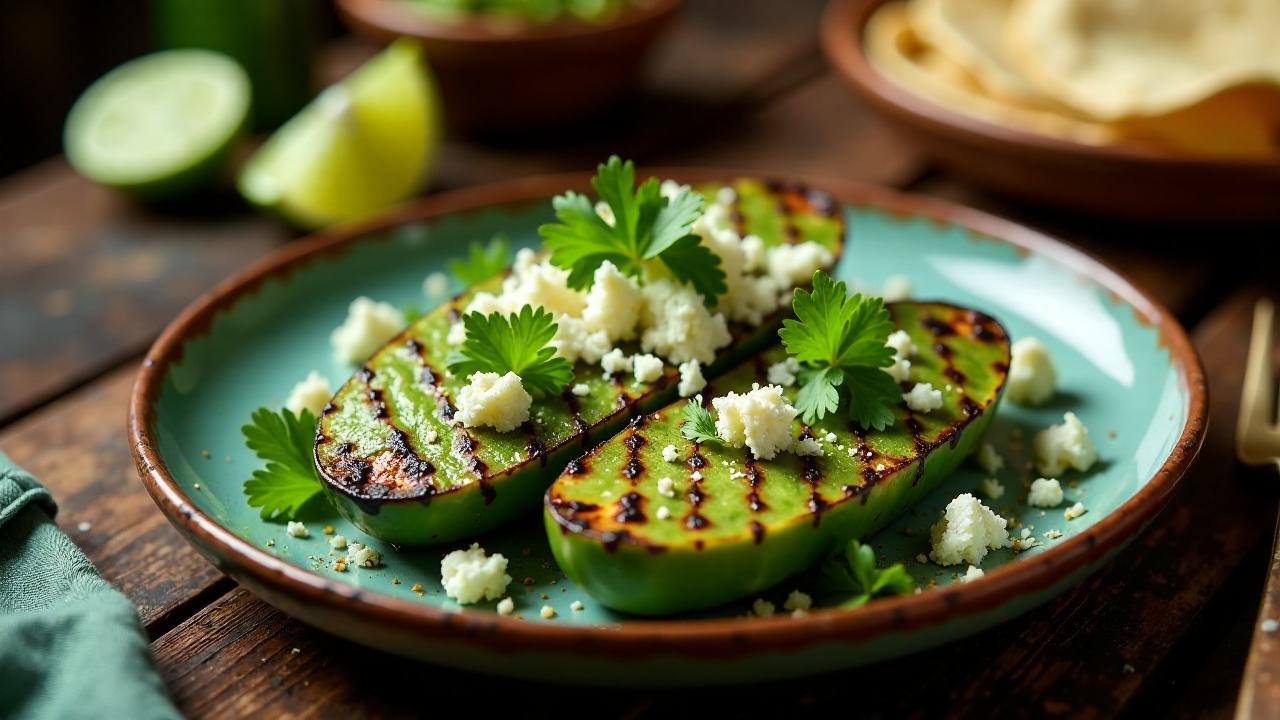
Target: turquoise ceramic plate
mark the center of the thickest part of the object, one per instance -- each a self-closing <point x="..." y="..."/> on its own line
<point x="1125" y="368"/>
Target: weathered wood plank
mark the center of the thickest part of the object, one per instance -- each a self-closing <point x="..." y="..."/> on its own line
<point x="79" y="450"/>
<point x="1085" y="654"/>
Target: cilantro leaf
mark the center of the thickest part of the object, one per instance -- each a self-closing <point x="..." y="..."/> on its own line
<point x="289" y="478"/>
<point x="841" y="341"/>
<point x="698" y="424"/>
<point x="516" y="343"/>
<point x="852" y="578"/>
<point x="646" y="226"/>
<point x="483" y="261"/>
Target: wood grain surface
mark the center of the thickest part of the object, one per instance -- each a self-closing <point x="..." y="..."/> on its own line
<point x="87" y="280"/>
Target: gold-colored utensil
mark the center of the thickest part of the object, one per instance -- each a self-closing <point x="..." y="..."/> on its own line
<point x="1258" y="443"/>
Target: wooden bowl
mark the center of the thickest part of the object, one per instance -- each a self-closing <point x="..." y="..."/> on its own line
<point x="1116" y="180"/>
<point x="520" y="77"/>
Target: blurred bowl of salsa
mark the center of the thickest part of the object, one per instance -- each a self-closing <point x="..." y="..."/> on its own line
<point x="508" y="67"/>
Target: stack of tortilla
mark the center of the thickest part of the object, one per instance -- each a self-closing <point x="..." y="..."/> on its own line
<point x="1196" y="77"/>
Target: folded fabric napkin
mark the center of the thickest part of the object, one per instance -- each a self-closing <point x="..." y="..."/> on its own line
<point x="70" y="644"/>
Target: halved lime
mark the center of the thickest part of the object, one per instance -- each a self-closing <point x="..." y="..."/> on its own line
<point x="159" y="125"/>
<point x="360" y="147"/>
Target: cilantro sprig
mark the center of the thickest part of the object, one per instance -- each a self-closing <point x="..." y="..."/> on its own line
<point x="646" y="227"/>
<point x="852" y="578"/>
<point x="840" y="341"/>
<point x="515" y="343"/>
<point x="483" y="260"/>
<point x="698" y="424"/>
<point x="288" y="480"/>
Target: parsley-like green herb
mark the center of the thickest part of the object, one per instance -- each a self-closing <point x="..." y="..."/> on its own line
<point x="483" y="261"/>
<point x="289" y="479"/>
<point x="516" y="343"/>
<point x="646" y="226"/>
<point x="698" y="424"/>
<point x="852" y="578"/>
<point x="840" y="343"/>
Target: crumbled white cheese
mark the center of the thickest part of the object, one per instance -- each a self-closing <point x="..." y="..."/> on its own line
<point x="615" y="361"/>
<point x="338" y="542"/>
<point x="613" y="304"/>
<point x="576" y="606"/>
<point x="297" y="529"/>
<point x="496" y="400"/>
<point x="760" y="419"/>
<point x="922" y="398"/>
<point x="793" y="265"/>
<point x="369" y="325"/>
<point x="1045" y="493"/>
<point x="900" y="370"/>
<point x="1052" y="534"/>
<point x="1058" y="447"/>
<point x="547" y="612"/>
<point x="663" y="513"/>
<point x="573" y="341"/>
<point x="901" y="343"/>
<point x="807" y="447"/>
<point x="783" y="373"/>
<point x="670" y="454"/>
<point x="992" y="488"/>
<point x="506" y="606"/>
<point x="436" y="285"/>
<point x="966" y="531"/>
<point x="691" y="379"/>
<point x="896" y="288"/>
<point x="363" y="556"/>
<point x="457" y="334"/>
<point x="666" y="487"/>
<point x="470" y="575"/>
<point x="541" y="284"/>
<point x="431" y="436"/>
<point x="762" y="608"/>
<point x="1031" y="374"/>
<point x="1075" y="511"/>
<point x="678" y="325"/>
<point x="798" y="601"/>
<point x="752" y="253"/>
<point x="648" y="368"/>
<point x="1270" y="625"/>
<point x="312" y="394"/>
<point x="988" y="459"/>
<point x="581" y="389"/>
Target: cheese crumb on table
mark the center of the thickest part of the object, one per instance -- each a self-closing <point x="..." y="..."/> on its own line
<point x="491" y="399"/>
<point x="762" y="608"/>
<point x="1031" y="374"/>
<point x="547" y="612"/>
<point x="506" y="606"/>
<point x="973" y="573"/>
<point x="297" y="529"/>
<point x="1045" y="493"/>
<point x="368" y="326"/>
<point x="923" y="398"/>
<point x="338" y="542"/>
<point x="670" y="454"/>
<point x="312" y="394"/>
<point x="576" y="606"/>
<point x="691" y="378"/>
<point x="1074" y="511"/>
<point x="647" y="368"/>
<point x="896" y="288"/>
<point x="436" y="285"/>
<point x="470" y="575"/>
<point x="363" y="556"/>
<point x="1058" y="447"/>
<point x="992" y="488"/>
<point x="1052" y="534"/>
<point x="988" y="459"/>
<point x="798" y="601"/>
<point x="966" y="531"/>
<point x="759" y="419"/>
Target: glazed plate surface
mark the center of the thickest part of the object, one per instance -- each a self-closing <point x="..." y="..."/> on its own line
<point x="1124" y="367"/>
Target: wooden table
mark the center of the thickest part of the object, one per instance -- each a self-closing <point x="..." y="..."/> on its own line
<point x="87" y="281"/>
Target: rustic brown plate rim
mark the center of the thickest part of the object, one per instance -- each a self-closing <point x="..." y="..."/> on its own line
<point x="395" y="17"/>
<point x="843" y="28"/>
<point x="639" y="636"/>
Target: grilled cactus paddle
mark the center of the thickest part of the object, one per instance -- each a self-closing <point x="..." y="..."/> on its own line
<point x="748" y="525"/>
<point x="393" y="462"/>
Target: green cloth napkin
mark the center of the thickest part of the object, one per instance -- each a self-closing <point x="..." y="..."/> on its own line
<point x="70" y="644"/>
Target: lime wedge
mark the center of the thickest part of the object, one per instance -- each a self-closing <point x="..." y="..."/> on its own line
<point x="360" y="147"/>
<point x="160" y="125"/>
